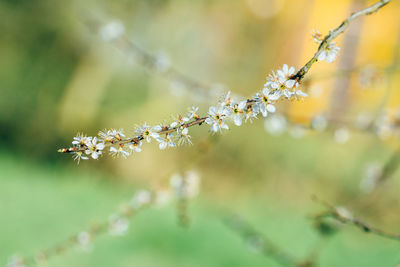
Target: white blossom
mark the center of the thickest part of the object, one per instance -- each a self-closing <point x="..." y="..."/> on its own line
<point x="272" y="81"/>
<point x="317" y="36"/>
<point x="217" y="117"/>
<point x="166" y="141"/>
<point x="179" y="121"/>
<point x="111" y="135"/>
<point x="81" y="140"/>
<point x="78" y="155"/>
<point x="120" y="151"/>
<point x="136" y="146"/>
<point x="238" y="112"/>
<point x="94" y="148"/>
<point x="263" y="103"/>
<point x="225" y="100"/>
<point x="329" y="53"/>
<point x="192" y="113"/>
<point x="284" y="76"/>
<point x="149" y="132"/>
<point x="184" y="137"/>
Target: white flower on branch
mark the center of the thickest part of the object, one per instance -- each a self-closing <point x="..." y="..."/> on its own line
<point x="281" y="83"/>
<point x="329" y="53"/>
<point x="226" y="100"/>
<point x="217" y="118"/>
<point x="136" y="146"/>
<point x="192" y="113"/>
<point x="179" y="121"/>
<point x="149" y="132"/>
<point x="81" y="140"/>
<point x="166" y="141"/>
<point x="272" y="81"/>
<point x="238" y="112"/>
<point x="94" y="148"/>
<point x="111" y="135"/>
<point x="184" y="137"/>
<point x="120" y="151"/>
<point x="263" y="103"/>
<point x="284" y="76"/>
<point x="78" y="155"/>
<point x="317" y="36"/>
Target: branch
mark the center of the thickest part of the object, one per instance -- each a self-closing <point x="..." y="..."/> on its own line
<point x="260" y="242"/>
<point x="279" y="86"/>
<point x="117" y="225"/>
<point x="346" y="218"/>
<point x="335" y="33"/>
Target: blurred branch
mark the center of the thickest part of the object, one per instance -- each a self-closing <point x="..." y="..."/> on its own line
<point x="389" y="168"/>
<point x="170" y="72"/>
<point x="157" y="64"/>
<point x="117" y="224"/>
<point x="335" y="33"/>
<point x="257" y="241"/>
<point x="186" y="188"/>
<point x="344" y="216"/>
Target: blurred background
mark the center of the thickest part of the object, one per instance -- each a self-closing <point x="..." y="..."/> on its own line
<point x="82" y="66"/>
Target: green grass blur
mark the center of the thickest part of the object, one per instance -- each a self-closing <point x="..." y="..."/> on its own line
<point x="44" y="204"/>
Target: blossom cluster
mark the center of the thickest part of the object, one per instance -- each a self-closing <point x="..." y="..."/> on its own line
<point x="279" y="85"/>
<point x="330" y="52"/>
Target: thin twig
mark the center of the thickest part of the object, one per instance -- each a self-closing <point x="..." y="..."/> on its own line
<point x="335" y="33"/>
<point x="298" y="76"/>
<point x="389" y="168"/>
<point x="335" y="213"/>
<point x="260" y="242"/>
